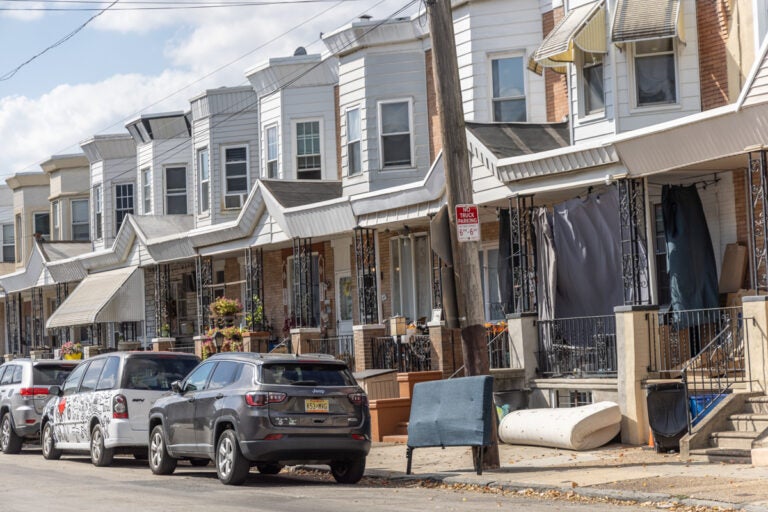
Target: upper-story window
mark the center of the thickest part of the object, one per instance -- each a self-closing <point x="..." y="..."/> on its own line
<point x="235" y="176"/>
<point x="508" y="89"/>
<point x="395" y="129"/>
<point x="205" y="180"/>
<point x="43" y="225"/>
<point x="18" y="231"/>
<point x="272" y="152"/>
<point x="98" y="206"/>
<point x="354" y="164"/>
<point x="146" y="189"/>
<point x="123" y="203"/>
<point x="655" y="72"/>
<point x="80" y="219"/>
<point x="176" y="190"/>
<point x="592" y="83"/>
<point x="56" y="220"/>
<point x="9" y="255"/>
<point x="308" y="157"/>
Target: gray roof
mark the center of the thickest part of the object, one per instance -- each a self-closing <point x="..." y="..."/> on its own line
<point x="515" y="139"/>
<point x="54" y="251"/>
<point x="302" y="192"/>
<point x="159" y="226"/>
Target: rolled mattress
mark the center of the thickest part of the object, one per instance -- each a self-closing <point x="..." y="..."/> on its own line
<point x="573" y="428"/>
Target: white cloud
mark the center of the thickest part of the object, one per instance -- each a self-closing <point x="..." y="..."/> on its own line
<point x="22" y="15"/>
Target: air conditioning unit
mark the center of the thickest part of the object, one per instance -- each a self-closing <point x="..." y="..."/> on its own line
<point x="234" y="201"/>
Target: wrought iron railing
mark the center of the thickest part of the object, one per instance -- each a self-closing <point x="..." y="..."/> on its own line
<point x="497" y="340"/>
<point x="187" y="347"/>
<point x="413" y="355"/>
<point x="579" y="346"/>
<point x="340" y="347"/>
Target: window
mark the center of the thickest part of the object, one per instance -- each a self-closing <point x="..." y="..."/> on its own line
<point x="43" y="225"/>
<point x="9" y="255"/>
<point x="56" y="220"/>
<point x="8" y="375"/>
<point x="508" y="90"/>
<point x="655" y="76"/>
<point x="73" y="381"/>
<point x="592" y="83"/>
<point x="353" y="142"/>
<point x="123" y="203"/>
<point x="308" y="159"/>
<point x="411" y="277"/>
<point x="196" y="381"/>
<point x="146" y="189"/>
<point x="176" y="190"/>
<point x="92" y="375"/>
<point x="395" y="119"/>
<point x="272" y="147"/>
<point x="80" y="219"/>
<point x="108" y="378"/>
<point x="98" y="204"/>
<point x="489" y="280"/>
<point x="225" y="374"/>
<point x="235" y="176"/>
<point x="18" y="242"/>
<point x="205" y="180"/>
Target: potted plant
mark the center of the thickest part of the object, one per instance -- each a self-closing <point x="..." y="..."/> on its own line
<point x="165" y="331"/>
<point x="207" y="348"/>
<point x="225" y="307"/>
<point x="71" y="350"/>
<point x="255" y="321"/>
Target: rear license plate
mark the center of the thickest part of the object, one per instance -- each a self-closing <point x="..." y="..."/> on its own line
<point x="315" y="405"/>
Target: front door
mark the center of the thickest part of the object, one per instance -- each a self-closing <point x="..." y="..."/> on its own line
<point x="344" y="301"/>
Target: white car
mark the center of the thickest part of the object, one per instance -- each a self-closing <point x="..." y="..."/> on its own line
<point x="103" y="406"/>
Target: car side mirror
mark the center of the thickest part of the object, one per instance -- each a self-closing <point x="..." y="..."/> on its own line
<point x="54" y="391"/>
<point x="176" y="386"/>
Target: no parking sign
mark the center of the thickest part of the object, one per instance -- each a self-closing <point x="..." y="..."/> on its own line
<point x="467" y="223"/>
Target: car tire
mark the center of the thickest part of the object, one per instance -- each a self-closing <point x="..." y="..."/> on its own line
<point x="199" y="463"/>
<point x="10" y="442"/>
<point x="100" y="455"/>
<point x="50" y="452"/>
<point x="160" y="462"/>
<point x="231" y="466"/>
<point x="348" y="471"/>
<point x="270" y="468"/>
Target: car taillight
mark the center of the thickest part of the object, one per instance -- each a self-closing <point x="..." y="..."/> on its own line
<point x="261" y="399"/>
<point x="119" y="408"/>
<point x="36" y="391"/>
<point x="358" y="399"/>
<point x="273" y="437"/>
<point x="358" y="437"/>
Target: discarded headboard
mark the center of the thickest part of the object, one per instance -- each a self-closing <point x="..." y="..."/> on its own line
<point x="453" y="412"/>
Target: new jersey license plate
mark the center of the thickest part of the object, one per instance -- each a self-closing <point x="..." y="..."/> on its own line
<point x="316" y="405"/>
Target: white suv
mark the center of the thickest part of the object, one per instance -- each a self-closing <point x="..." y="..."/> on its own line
<point x="103" y="405"/>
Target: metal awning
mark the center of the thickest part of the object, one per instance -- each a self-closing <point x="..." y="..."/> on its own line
<point x="637" y="20"/>
<point x="582" y="27"/>
<point x="111" y="296"/>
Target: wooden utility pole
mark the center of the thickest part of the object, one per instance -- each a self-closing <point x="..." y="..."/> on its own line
<point x="466" y="261"/>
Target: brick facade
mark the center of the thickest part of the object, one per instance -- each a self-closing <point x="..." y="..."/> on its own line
<point x="712" y="23"/>
<point x="555" y="84"/>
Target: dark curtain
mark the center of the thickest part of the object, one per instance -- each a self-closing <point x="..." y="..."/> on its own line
<point x="690" y="257"/>
<point x="504" y="264"/>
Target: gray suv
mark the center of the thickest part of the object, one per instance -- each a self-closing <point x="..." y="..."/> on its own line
<point x="269" y="411"/>
<point x="24" y="388"/>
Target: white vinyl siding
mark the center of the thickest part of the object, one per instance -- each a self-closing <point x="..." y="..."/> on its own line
<point x="204" y="171"/>
<point x="308" y="154"/>
<point x="146" y="190"/>
<point x="508" y="89"/>
<point x="396" y="133"/>
<point x="80" y="228"/>
<point x="176" y="190"/>
<point x="9" y="251"/>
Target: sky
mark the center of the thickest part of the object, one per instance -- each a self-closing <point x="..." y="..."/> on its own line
<point x="135" y="59"/>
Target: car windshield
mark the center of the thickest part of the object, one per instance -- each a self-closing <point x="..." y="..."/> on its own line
<point x="156" y="373"/>
<point x="51" y="374"/>
<point x="307" y="374"/>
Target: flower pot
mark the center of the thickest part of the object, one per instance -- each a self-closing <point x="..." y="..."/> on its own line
<point x="73" y="357"/>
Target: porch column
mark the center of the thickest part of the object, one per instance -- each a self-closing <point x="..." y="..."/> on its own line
<point x="755" y="314"/>
<point x="62" y="292"/>
<point x="524" y="343"/>
<point x="254" y="288"/>
<point x="203" y="281"/>
<point x="365" y="267"/>
<point x="633" y="337"/>
<point x="162" y="299"/>
<point x="362" y="335"/>
<point x="38" y="319"/>
<point x="303" y="296"/>
<point x="634" y="246"/>
<point x="300" y="337"/>
<point x="522" y="257"/>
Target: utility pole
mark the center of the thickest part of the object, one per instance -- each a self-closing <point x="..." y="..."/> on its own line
<point x="466" y="261"/>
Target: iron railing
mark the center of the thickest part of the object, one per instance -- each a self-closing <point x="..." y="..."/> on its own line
<point x="340" y="347"/>
<point x="579" y="346"/>
<point x="497" y="340"/>
<point x="391" y="353"/>
<point x="186" y="347"/>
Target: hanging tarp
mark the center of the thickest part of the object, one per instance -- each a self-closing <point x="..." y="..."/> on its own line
<point x="546" y="264"/>
<point x="504" y="264"/>
<point x="588" y="255"/>
<point x="690" y="257"/>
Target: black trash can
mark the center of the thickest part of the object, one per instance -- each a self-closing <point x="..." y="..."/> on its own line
<point x="667" y="415"/>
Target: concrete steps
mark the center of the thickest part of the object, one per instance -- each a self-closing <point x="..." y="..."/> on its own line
<point x="399" y="436"/>
<point x="734" y="445"/>
<point x="723" y="455"/>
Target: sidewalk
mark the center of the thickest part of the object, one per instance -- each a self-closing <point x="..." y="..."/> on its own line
<point x="615" y="471"/>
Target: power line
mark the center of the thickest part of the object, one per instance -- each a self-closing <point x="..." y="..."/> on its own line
<point x="162" y="6"/>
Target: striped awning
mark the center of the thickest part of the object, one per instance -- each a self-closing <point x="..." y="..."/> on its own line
<point x="637" y="20"/>
<point x="111" y="296"/>
<point x="583" y="27"/>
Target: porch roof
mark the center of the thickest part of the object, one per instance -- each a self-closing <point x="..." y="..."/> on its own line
<point x="111" y="296"/>
<point x="35" y="271"/>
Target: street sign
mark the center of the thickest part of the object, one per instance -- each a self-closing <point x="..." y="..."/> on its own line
<point x="467" y="223"/>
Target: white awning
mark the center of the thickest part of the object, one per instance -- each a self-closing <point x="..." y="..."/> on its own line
<point x="111" y="296"/>
<point x="638" y="20"/>
<point x="583" y="27"/>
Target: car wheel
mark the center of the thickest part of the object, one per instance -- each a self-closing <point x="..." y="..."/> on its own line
<point x="231" y="467"/>
<point x="100" y="456"/>
<point x="9" y="441"/>
<point x="270" y="468"/>
<point x="348" y="471"/>
<point x="50" y="452"/>
<point x="159" y="461"/>
<point x="199" y="463"/>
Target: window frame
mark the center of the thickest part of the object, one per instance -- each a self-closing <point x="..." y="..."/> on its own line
<point x="485" y="281"/>
<point x="35" y="215"/>
<point x="72" y="219"/>
<point x="493" y="99"/>
<point x="583" y="84"/>
<point x="204" y="197"/>
<point x="167" y="192"/>
<point x="98" y="211"/>
<point x="121" y="213"/>
<point x="396" y="274"/>
<point x="635" y="84"/>
<point x="320" y="141"/>
<point x="382" y="135"/>
<point x="7" y="243"/>
<point x="55" y="220"/>
<point x="224" y="177"/>
<point x="351" y="141"/>
<point x="146" y="190"/>
<point x="274" y="128"/>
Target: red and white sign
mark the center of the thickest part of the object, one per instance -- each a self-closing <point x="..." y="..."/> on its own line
<point x="467" y="223"/>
